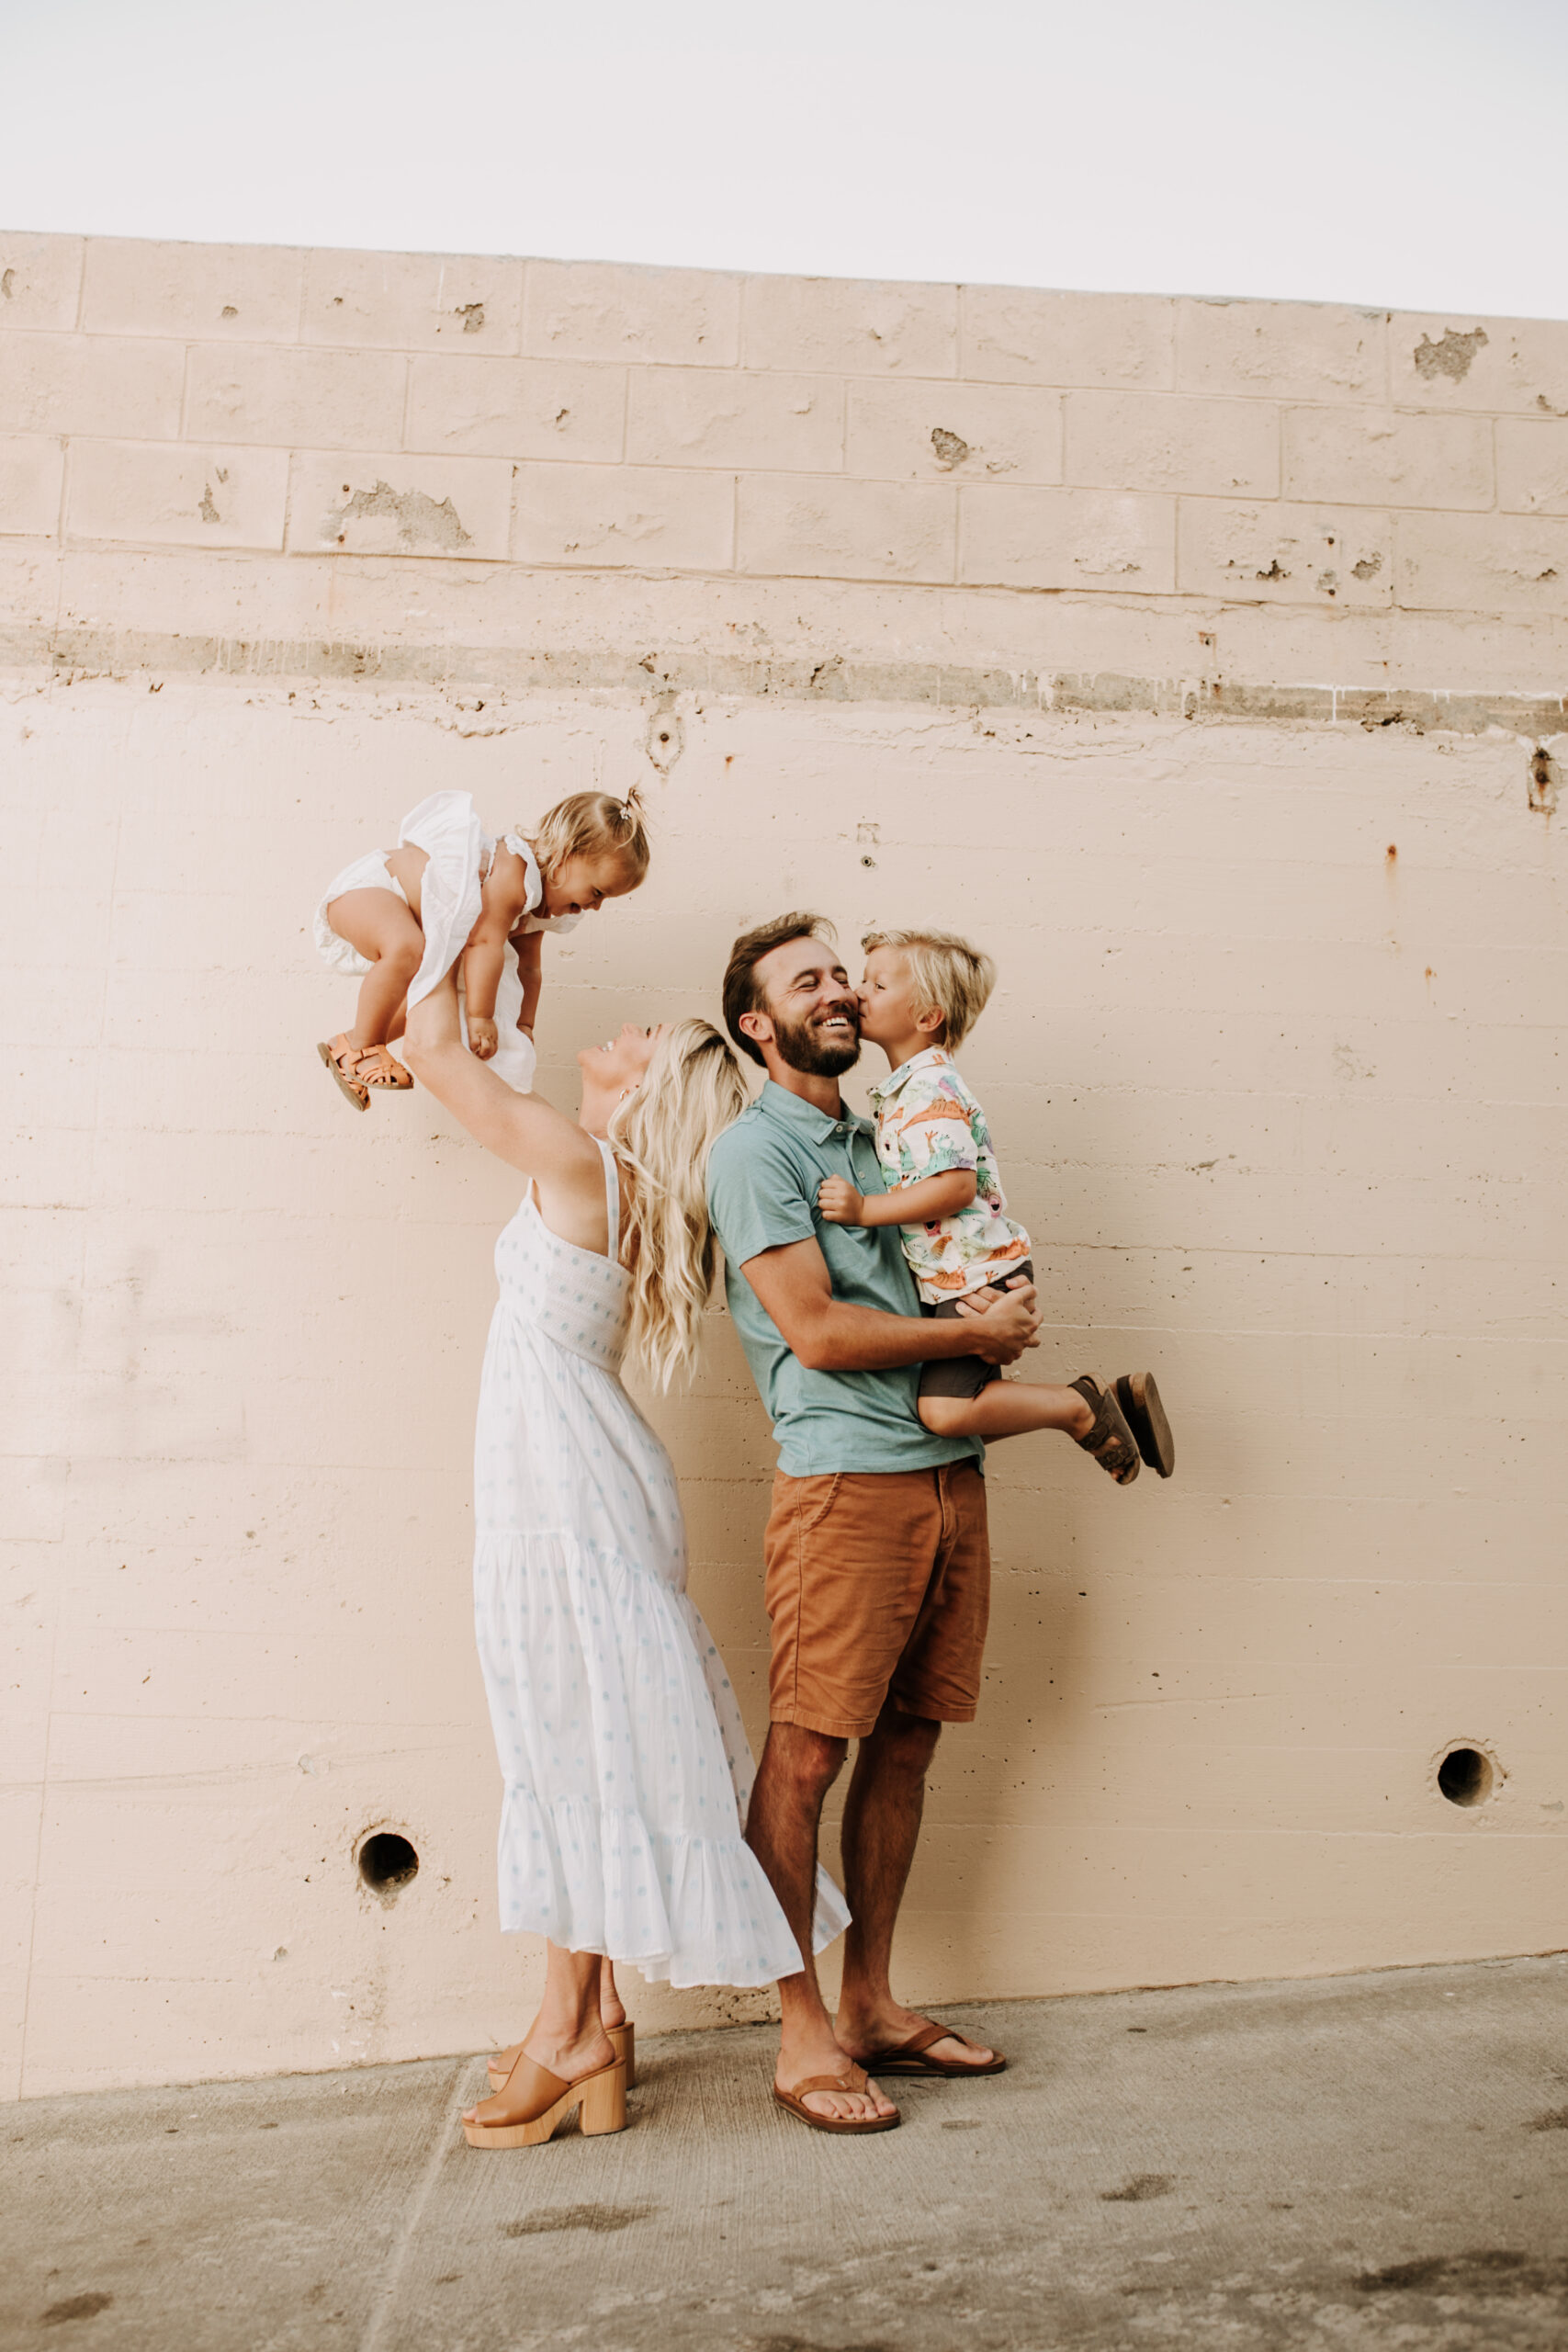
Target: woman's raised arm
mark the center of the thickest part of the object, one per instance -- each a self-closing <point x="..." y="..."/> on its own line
<point x="523" y="1129"/>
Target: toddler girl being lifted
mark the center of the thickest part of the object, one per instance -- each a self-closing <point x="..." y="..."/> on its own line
<point x="398" y="919"/>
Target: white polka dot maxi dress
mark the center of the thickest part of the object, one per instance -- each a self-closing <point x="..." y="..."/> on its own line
<point x="626" y="1766"/>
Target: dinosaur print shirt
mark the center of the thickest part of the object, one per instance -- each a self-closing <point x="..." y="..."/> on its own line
<point x="929" y="1122"/>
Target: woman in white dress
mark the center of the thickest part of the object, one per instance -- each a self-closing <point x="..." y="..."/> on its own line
<point x="626" y="1767"/>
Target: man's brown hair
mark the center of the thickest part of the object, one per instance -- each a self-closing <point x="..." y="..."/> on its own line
<point x="741" y="993"/>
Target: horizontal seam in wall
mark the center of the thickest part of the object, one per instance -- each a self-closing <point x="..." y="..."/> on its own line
<point x="82" y="653"/>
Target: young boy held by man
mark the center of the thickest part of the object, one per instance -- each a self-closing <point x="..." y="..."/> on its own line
<point x="922" y="993"/>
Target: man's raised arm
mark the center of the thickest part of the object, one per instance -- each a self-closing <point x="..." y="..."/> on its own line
<point x="826" y="1334"/>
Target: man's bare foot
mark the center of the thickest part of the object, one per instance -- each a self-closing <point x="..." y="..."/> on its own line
<point x="808" y="2053"/>
<point x="864" y="2032"/>
<point x="569" y="2057"/>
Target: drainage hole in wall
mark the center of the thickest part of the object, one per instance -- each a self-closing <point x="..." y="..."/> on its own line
<point x="1465" y="1776"/>
<point x="387" y="1862"/>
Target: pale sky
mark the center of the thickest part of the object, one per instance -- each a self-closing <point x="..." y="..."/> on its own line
<point x="1406" y="153"/>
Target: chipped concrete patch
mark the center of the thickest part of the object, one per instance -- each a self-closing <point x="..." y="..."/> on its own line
<point x="441" y="508"/>
<point x="420" y="525"/>
<point x="1450" y="355"/>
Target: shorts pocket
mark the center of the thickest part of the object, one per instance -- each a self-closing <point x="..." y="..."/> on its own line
<point x="813" y="1509"/>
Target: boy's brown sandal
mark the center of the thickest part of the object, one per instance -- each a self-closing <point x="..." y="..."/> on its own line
<point x="1139" y="1400"/>
<point x="1110" y="1441"/>
<point x="853" y="2079"/>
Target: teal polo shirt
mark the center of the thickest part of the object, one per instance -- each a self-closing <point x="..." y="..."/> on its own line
<point x="763" y="1175"/>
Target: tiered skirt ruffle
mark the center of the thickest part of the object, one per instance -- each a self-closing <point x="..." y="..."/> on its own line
<point x="627" y="1769"/>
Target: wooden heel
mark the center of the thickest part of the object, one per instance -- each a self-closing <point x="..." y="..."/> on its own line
<point x="603" y="2105"/>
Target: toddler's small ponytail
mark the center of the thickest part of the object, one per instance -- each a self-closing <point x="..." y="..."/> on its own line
<point x="595" y="824"/>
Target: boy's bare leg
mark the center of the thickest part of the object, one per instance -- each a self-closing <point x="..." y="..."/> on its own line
<point x="378" y="925"/>
<point x="1009" y="1408"/>
<point x="882" y="1824"/>
<point x="798" y="1767"/>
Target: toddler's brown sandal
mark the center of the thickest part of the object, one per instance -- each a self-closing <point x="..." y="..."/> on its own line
<point x="853" y="2079"/>
<point x="1110" y="1441"/>
<point x="337" y="1053"/>
<point x="376" y="1067"/>
<point x="1139" y="1400"/>
<point x="622" y="2041"/>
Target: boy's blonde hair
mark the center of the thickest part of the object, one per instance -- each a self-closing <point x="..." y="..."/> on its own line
<point x="593" y="824"/>
<point x="661" y="1135"/>
<point x="949" y="976"/>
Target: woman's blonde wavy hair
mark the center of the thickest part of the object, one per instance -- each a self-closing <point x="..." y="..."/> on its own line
<point x="662" y="1136"/>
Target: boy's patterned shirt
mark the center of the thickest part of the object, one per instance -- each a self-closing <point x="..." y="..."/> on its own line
<point x="928" y="1123"/>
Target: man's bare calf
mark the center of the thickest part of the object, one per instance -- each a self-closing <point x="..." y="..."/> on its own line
<point x="797" y="1769"/>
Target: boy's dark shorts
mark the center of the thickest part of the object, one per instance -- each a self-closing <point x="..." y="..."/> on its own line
<point x="965" y="1375"/>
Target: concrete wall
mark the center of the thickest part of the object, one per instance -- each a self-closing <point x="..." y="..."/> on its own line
<point x="1205" y="660"/>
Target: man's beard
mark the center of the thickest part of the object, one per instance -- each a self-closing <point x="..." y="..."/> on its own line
<point x="802" y="1045"/>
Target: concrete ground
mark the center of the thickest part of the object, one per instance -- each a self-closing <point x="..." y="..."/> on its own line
<point x="1366" y="2161"/>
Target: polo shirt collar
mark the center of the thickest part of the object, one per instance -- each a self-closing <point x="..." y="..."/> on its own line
<point x="798" y="1113"/>
<point x="933" y="1058"/>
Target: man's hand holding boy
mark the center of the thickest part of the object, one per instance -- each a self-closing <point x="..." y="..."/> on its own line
<point x="1002" y="1323"/>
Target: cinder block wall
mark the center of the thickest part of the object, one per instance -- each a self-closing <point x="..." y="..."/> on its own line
<point x="1204" y="658"/>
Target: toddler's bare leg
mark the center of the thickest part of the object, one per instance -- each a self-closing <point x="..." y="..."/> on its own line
<point x="378" y="925"/>
<point x="1009" y="1408"/>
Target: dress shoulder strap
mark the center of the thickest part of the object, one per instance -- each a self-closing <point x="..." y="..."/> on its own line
<point x="531" y="867"/>
<point x="611" y="1200"/>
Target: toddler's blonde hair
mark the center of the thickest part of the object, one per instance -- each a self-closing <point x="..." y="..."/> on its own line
<point x="949" y="976"/>
<point x="662" y="1135"/>
<point x="593" y="824"/>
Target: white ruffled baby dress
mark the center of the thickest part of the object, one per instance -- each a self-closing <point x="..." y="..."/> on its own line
<point x="459" y="853"/>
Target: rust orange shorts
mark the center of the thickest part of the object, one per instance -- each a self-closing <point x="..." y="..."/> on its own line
<point x="878" y="1587"/>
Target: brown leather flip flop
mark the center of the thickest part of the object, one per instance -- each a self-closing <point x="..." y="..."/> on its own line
<point x="912" y="2057"/>
<point x="854" y="2080"/>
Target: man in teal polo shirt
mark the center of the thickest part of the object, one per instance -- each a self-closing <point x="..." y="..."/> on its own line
<point x="877" y="1565"/>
